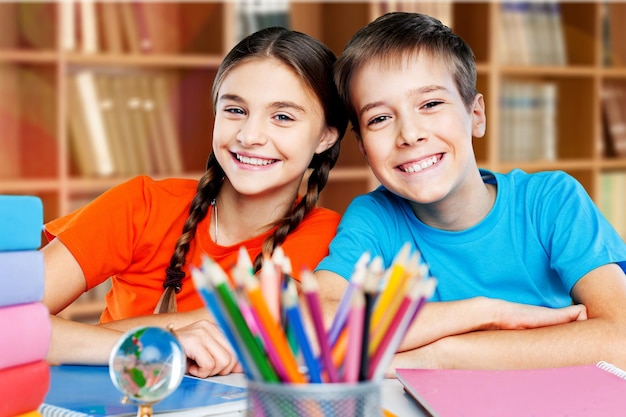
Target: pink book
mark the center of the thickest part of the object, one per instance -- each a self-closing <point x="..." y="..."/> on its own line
<point x="576" y="391"/>
<point x="23" y="388"/>
<point x="26" y="331"/>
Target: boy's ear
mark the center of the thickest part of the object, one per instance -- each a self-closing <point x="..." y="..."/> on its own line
<point x="328" y="139"/>
<point x="479" y="118"/>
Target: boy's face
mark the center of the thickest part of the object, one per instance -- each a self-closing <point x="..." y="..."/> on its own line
<point x="416" y="132"/>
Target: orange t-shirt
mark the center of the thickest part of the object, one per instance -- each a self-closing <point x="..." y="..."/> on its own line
<point x="129" y="233"/>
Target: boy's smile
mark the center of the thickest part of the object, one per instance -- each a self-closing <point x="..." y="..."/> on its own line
<point x="417" y="133"/>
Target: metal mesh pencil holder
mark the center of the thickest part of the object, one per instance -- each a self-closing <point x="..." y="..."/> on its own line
<point x="314" y="400"/>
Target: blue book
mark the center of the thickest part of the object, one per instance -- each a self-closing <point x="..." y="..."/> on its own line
<point x="22" y="277"/>
<point x="87" y="391"/>
<point x="21" y="222"/>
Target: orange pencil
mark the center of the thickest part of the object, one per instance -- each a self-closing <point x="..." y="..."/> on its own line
<point x="276" y="337"/>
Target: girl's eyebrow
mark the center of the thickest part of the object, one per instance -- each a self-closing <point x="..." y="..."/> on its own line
<point x="273" y="105"/>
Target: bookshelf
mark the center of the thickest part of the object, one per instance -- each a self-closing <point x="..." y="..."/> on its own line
<point x="39" y="60"/>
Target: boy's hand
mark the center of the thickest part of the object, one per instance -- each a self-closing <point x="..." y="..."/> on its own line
<point x="512" y="316"/>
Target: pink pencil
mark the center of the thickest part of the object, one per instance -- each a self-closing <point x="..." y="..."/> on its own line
<point x="310" y="289"/>
<point x="355" y="336"/>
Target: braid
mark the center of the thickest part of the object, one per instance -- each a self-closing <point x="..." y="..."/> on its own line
<point x="207" y="189"/>
<point x="315" y="184"/>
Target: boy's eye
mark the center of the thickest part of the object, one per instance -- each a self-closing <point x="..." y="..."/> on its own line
<point x="432" y="104"/>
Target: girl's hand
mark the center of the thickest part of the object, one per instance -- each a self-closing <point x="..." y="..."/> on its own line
<point x="207" y="349"/>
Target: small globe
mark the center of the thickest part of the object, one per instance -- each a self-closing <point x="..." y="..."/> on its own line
<point x="147" y="364"/>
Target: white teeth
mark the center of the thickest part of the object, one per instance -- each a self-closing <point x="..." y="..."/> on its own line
<point x="253" y="161"/>
<point x="421" y="165"/>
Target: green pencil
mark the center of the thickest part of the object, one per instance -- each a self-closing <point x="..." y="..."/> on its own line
<point x="218" y="277"/>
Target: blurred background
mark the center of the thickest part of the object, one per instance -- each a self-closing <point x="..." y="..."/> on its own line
<point x="93" y="93"/>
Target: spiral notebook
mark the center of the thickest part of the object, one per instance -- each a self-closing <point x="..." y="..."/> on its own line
<point x="577" y="391"/>
<point x="87" y="391"/>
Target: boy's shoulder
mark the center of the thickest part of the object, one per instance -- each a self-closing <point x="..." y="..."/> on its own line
<point x="532" y="181"/>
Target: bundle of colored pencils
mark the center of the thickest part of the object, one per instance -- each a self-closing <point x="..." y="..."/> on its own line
<point x="264" y="321"/>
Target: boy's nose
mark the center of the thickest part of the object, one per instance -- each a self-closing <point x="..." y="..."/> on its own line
<point x="410" y="132"/>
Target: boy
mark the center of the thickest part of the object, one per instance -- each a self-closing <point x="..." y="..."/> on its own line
<point x="511" y="253"/>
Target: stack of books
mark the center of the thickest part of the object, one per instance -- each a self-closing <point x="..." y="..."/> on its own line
<point x="24" y="320"/>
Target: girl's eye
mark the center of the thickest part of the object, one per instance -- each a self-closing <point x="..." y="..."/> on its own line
<point x="234" y="110"/>
<point x="376" y="120"/>
<point x="283" y="118"/>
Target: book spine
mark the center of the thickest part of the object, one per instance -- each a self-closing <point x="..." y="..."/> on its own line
<point x="23" y="387"/>
<point x="26" y="331"/>
<point x="22" y="279"/>
<point x="21" y="222"/>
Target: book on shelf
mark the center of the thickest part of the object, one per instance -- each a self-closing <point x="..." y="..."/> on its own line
<point x="87" y="391"/>
<point x="613" y="98"/>
<point x="91" y="140"/>
<point x="89" y="39"/>
<point x="575" y="391"/>
<point x="615" y="30"/>
<point x="528" y="128"/>
<point x="532" y="33"/>
<point x="110" y="26"/>
<point x="442" y="9"/>
<point x="68" y="30"/>
<point x="9" y="120"/>
<point x="613" y="199"/>
<point x="254" y="15"/>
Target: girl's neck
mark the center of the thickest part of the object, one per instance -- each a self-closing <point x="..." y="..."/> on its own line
<point x="240" y="218"/>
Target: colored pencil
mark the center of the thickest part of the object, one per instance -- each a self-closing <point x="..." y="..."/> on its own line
<point x="219" y="280"/>
<point x="271" y="328"/>
<point x="290" y="297"/>
<point x="310" y="291"/>
<point x="269" y="279"/>
<point x="413" y="272"/>
<point x="387" y="354"/>
<point x="356" y="281"/>
<point x="395" y="281"/>
<point x="355" y="337"/>
<point x="205" y="289"/>
<point x="369" y="291"/>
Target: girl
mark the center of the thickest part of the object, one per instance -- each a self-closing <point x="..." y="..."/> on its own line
<point x="277" y="115"/>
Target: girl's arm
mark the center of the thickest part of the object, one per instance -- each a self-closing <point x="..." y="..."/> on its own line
<point x="206" y="347"/>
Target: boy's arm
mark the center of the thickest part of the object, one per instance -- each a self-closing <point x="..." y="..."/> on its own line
<point x="601" y="337"/>
<point x="438" y="320"/>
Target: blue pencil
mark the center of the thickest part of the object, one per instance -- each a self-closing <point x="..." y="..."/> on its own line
<point x="203" y="286"/>
<point x="290" y="303"/>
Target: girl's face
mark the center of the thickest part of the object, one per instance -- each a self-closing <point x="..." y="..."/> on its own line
<point x="268" y="125"/>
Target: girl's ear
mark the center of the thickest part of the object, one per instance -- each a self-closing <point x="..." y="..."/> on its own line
<point x="328" y="139"/>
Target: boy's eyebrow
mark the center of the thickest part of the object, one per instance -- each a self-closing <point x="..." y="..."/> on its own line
<point x="275" y="104"/>
<point x="413" y="92"/>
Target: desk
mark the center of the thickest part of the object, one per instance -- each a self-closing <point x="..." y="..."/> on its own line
<point x="392" y="394"/>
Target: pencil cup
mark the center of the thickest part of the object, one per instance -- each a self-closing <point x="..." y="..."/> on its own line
<point x="314" y="400"/>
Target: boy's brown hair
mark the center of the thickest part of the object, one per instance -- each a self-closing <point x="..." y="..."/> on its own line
<point x="396" y="35"/>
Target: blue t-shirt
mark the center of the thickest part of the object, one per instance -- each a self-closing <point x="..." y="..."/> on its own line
<point x="541" y="236"/>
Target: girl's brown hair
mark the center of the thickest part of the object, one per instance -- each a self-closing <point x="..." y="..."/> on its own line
<point x="313" y="62"/>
